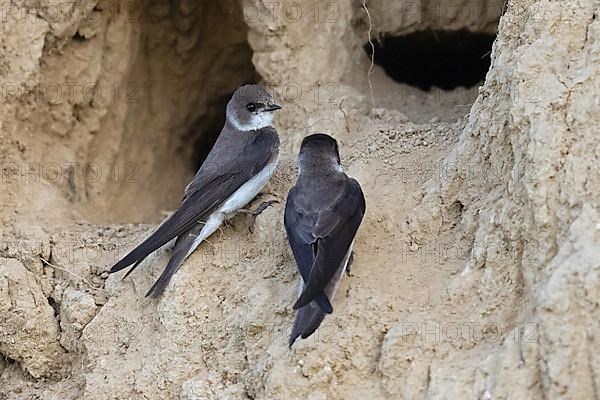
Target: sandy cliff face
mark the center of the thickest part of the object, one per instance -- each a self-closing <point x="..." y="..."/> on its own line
<point x="476" y="267"/>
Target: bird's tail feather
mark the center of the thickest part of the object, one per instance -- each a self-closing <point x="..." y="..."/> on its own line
<point x="180" y="253"/>
<point x="137" y="255"/>
<point x="163" y="280"/>
<point x="308" y="319"/>
<point x="138" y="262"/>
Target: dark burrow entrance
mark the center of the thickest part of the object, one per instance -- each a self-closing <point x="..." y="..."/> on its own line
<point x="442" y="58"/>
<point x="189" y="57"/>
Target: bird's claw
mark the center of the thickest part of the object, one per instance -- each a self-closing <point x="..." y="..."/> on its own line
<point x="349" y="264"/>
<point x="256" y="212"/>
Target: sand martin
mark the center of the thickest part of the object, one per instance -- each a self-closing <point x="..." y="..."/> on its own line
<point x="239" y="165"/>
<point x="322" y="214"/>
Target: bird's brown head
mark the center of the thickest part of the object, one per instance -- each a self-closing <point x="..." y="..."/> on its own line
<point x="251" y="107"/>
<point x="319" y="151"/>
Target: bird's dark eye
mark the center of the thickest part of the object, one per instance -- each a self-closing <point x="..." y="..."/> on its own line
<point x="251" y="107"/>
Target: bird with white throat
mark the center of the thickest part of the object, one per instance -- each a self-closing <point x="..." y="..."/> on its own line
<point x="239" y="165"/>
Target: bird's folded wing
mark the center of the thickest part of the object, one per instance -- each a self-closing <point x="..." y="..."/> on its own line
<point x="335" y="231"/>
<point x="215" y="182"/>
<point x="195" y="207"/>
<point x="307" y="321"/>
<point x="299" y="226"/>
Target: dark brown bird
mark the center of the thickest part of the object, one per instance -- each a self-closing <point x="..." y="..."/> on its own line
<point x="322" y="215"/>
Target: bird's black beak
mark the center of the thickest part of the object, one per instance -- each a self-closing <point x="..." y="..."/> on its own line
<point x="273" y="107"/>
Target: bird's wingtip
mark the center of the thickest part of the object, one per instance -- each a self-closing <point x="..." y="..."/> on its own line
<point x="320" y="298"/>
<point x="115" y="268"/>
<point x="122" y="264"/>
<point x="292" y="340"/>
<point x="327" y="308"/>
<point x="154" y="292"/>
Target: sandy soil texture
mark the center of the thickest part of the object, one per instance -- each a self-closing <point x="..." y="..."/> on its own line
<point x="476" y="273"/>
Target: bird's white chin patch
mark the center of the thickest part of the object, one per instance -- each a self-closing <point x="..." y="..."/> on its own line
<point x="258" y="121"/>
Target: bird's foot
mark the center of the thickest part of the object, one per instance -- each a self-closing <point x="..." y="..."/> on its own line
<point x="256" y="212"/>
<point x="261" y="194"/>
<point x="349" y="264"/>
